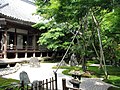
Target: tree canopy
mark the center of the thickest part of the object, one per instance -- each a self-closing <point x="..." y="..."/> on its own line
<point x="66" y="17"/>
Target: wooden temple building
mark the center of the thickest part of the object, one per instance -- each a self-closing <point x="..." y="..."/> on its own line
<point x="18" y="39"/>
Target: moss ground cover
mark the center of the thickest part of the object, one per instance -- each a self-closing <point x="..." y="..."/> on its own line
<point x="6" y="82"/>
<point x="113" y="73"/>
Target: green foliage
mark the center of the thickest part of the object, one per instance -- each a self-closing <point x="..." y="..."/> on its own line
<point x="111" y="29"/>
<point x="55" y="39"/>
<point x="6" y="82"/>
<point x="68" y="16"/>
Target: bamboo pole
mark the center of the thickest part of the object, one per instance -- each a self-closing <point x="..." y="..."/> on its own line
<point x="101" y="49"/>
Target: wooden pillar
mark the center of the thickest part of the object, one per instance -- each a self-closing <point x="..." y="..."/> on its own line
<point x="34" y="54"/>
<point x="15" y="43"/>
<point x="15" y="39"/>
<point x="41" y="54"/>
<point x="34" y="41"/>
<point x="16" y="55"/>
<point x="4" y="29"/>
<point x="25" y="54"/>
<point x="34" y="44"/>
<point x="27" y="40"/>
<point x="5" y="43"/>
<point x="47" y="54"/>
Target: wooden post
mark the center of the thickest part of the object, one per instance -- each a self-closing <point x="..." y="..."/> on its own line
<point x="52" y="83"/>
<point x="55" y="81"/>
<point x="43" y="85"/>
<point x="22" y="85"/>
<point x="35" y="86"/>
<point x="32" y="87"/>
<point x="5" y="44"/>
<point x="64" y="83"/>
<point x="46" y="84"/>
<point x="40" y="85"/>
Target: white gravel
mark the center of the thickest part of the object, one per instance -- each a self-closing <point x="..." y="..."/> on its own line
<point x="44" y="72"/>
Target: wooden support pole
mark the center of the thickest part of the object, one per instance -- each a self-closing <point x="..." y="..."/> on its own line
<point x="99" y="37"/>
<point x="102" y="58"/>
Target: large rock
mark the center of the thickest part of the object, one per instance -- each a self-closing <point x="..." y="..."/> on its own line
<point x="34" y="62"/>
<point x="24" y="77"/>
<point x="73" y="60"/>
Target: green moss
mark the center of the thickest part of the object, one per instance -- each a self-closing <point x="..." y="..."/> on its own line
<point x="66" y="72"/>
<point x="6" y="82"/>
<point x="113" y="72"/>
<point x="114" y="80"/>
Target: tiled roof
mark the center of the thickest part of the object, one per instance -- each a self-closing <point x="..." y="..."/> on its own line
<point x="19" y="9"/>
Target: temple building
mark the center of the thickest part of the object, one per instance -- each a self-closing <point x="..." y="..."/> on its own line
<point x="18" y="39"/>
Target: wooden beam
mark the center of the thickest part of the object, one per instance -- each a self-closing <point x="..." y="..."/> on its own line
<point x="2" y="21"/>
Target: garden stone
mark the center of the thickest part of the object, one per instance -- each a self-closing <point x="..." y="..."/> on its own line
<point x="34" y="62"/>
<point x="24" y="77"/>
<point x="73" y="60"/>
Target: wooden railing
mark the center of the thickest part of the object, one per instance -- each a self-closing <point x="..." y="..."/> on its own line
<point x="11" y="47"/>
<point x="14" y="47"/>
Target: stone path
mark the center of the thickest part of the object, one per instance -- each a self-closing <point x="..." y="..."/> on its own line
<point x="93" y="84"/>
<point x="45" y="71"/>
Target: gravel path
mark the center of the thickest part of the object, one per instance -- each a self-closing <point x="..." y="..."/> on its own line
<point x="94" y="84"/>
<point x="45" y="71"/>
